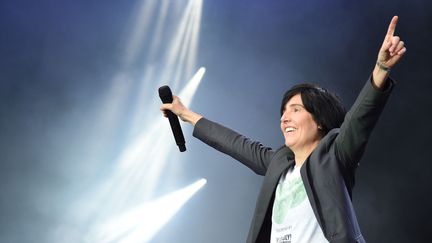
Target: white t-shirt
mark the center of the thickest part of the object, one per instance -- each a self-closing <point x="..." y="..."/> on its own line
<point x="293" y="220"/>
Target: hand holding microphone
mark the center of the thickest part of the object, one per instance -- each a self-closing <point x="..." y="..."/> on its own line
<point x="168" y="108"/>
<point x="171" y="108"/>
<point x="172" y="105"/>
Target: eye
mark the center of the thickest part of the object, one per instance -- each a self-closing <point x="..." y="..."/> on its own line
<point x="296" y="109"/>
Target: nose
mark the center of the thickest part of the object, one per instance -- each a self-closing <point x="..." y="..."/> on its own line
<point x="285" y="117"/>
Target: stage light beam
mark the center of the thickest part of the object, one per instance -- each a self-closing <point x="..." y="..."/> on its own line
<point x="142" y="223"/>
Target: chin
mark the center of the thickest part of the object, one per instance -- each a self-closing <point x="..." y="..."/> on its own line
<point x="288" y="144"/>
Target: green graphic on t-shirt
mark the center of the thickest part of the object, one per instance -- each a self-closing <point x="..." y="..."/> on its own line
<point x="288" y="195"/>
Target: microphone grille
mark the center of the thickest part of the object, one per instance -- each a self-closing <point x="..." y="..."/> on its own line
<point x="165" y="94"/>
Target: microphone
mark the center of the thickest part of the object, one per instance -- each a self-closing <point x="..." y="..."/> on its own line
<point x="166" y="96"/>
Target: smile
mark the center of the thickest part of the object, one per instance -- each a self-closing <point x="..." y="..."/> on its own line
<point x="290" y="129"/>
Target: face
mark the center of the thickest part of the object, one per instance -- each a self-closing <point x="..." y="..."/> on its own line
<point x="298" y="127"/>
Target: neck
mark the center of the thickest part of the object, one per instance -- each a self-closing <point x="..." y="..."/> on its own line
<point x="301" y="154"/>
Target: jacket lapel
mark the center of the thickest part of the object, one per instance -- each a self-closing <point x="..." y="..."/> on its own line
<point x="282" y="160"/>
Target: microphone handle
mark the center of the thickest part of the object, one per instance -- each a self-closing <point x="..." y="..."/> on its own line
<point x="177" y="131"/>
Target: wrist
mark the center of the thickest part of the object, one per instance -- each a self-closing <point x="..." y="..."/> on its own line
<point x="379" y="77"/>
<point x="190" y="116"/>
<point x="382" y="66"/>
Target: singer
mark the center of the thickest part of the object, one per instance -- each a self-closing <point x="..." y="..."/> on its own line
<point x="307" y="188"/>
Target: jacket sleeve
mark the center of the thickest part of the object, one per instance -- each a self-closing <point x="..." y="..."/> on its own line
<point x="251" y="153"/>
<point x="359" y="123"/>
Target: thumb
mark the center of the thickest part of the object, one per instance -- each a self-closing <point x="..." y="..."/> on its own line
<point x="383" y="53"/>
<point x="165" y="107"/>
<point x="386" y="45"/>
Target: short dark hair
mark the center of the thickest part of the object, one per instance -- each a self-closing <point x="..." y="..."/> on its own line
<point x="326" y="108"/>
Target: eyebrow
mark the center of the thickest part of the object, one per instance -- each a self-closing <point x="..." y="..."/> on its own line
<point x="293" y="105"/>
<point x="296" y="105"/>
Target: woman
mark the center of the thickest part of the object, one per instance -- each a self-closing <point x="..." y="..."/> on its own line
<point x="318" y="161"/>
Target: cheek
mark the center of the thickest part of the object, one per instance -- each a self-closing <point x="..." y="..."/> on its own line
<point x="313" y="129"/>
<point x="310" y="125"/>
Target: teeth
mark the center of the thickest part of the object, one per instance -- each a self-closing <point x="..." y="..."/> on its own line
<point x="290" y="129"/>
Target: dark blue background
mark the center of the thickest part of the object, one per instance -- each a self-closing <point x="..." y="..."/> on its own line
<point x="57" y="58"/>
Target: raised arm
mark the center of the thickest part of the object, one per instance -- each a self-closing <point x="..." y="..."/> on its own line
<point x="250" y="153"/>
<point x="363" y="115"/>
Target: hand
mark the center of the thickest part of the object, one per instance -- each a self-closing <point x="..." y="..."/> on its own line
<point x="392" y="48"/>
<point x="175" y="107"/>
<point x="181" y="111"/>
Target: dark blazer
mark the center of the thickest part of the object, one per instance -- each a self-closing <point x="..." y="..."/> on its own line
<point x="327" y="174"/>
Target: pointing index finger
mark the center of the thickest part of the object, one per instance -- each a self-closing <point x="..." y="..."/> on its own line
<point x="392" y="27"/>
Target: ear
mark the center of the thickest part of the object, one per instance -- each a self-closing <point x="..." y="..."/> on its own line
<point x="320" y="131"/>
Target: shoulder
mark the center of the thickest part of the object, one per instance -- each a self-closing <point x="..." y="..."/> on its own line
<point x="283" y="151"/>
<point x="328" y="139"/>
